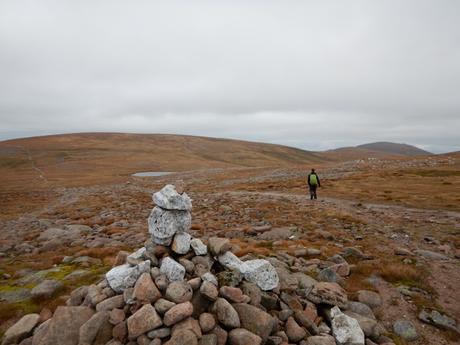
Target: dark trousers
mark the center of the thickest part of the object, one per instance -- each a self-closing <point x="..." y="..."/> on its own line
<point x="313" y="192"/>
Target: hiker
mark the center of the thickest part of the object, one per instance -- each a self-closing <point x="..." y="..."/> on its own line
<point x="313" y="183"/>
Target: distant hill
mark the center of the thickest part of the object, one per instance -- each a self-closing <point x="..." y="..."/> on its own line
<point x="394" y="148"/>
<point x="374" y="150"/>
<point x="102" y="156"/>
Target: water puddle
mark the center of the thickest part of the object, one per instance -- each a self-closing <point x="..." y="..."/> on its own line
<point x="152" y="173"/>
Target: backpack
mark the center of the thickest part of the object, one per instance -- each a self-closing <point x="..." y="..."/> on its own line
<point x="313" y="179"/>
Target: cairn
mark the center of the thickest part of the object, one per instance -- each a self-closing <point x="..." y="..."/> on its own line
<point x="177" y="290"/>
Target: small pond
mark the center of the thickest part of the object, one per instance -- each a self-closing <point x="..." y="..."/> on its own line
<point x="152" y="173"/>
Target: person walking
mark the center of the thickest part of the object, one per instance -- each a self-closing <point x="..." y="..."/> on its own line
<point x="313" y="183"/>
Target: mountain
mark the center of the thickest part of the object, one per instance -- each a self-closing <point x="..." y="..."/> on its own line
<point x="395" y="149"/>
<point x="93" y="157"/>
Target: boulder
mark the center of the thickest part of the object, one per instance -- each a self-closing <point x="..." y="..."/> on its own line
<point x="345" y="329"/>
<point x="125" y="276"/>
<point x="328" y="293"/>
<point x="241" y="336"/>
<point x="143" y="321"/>
<point x="169" y="199"/>
<point x="162" y="305"/>
<point x="64" y="327"/>
<point x="172" y="269"/>
<point x="231" y="261"/>
<point x="232" y="294"/>
<point x="21" y="329"/>
<point x="181" y="243"/>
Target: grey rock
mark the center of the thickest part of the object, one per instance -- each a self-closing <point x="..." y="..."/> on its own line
<point x="262" y="273"/>
<point x="125" y="276"/>
<point x="172" y="269"/>
<point x="231" y="261"/>
<point x="164" y="224"/>
<point x="405" y="329"/>
<point x="209" y="277"/>
<point x="46" y="288"/>
<point x="345" y="329"/>
<point x="427" y="254"/>
<point x="437" y="319"/>
<point x="198" y="247"/>
<point x="181" y="243"/>
<point x="169" y="199"/>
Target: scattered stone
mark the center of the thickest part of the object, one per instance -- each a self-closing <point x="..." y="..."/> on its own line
<point x="405" y="329"/>
<point x="172" y="269"/>
<point x="46" y="289"/>
<point x="345" y="329"/>
<point x="435" y="318"/>
<point x="371" y="298"/>
<point x="428" y="254"/>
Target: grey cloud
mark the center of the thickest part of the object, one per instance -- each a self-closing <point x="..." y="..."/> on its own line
<point x="311" y="74"/>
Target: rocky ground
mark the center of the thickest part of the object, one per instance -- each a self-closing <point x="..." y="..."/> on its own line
<point x="395" y="261"/>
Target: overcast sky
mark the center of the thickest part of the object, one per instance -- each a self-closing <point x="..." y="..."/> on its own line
<point x="311" y="74"/>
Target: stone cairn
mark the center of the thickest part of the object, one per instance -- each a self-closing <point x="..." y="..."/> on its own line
<point x="177" y="290"/>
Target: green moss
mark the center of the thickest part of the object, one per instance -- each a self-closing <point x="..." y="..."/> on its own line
<point x="64" y="270"/>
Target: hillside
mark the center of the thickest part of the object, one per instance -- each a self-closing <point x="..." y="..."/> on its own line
<point x="71" y="159"/>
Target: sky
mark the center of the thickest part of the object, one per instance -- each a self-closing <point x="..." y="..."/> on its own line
<point x="311" y="74"/>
